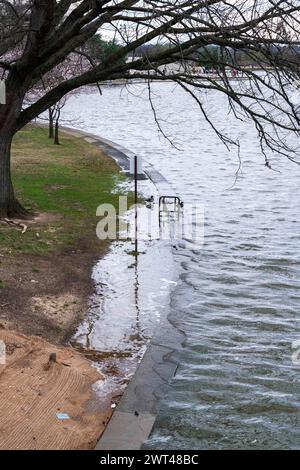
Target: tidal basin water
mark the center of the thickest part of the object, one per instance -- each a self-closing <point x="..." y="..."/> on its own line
<point x="237" y="297"/>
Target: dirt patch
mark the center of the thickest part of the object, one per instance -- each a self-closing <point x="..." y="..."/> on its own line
<point x="37" y="394"/>
<point x="59" y="308"/>
<point x="47" y="295"/>
<point x="44" y="218"/>
<point x="34" y="219"/>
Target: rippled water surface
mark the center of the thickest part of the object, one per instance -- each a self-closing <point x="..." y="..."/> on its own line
<point x="237" y="301"/>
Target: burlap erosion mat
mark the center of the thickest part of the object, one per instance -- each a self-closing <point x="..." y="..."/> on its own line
<point x="46" y="396"/>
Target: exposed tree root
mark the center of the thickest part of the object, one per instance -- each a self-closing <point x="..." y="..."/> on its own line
<point x="13" y="222"/>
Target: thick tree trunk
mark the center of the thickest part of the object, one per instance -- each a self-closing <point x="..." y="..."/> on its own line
<point x="9" y="113"/>
<point x="51" y="124"/>
<point x="9" y="206"/>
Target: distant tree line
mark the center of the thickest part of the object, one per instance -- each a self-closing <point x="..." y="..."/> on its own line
<point x="98" y="49"/>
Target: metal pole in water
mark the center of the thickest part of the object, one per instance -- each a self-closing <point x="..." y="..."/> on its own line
<point x="136" y="201"/>
<point x="136" y="255"/>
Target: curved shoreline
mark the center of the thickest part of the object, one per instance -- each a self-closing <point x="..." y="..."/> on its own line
<point x="137" y="410"/>
<point x="46" y="289"/>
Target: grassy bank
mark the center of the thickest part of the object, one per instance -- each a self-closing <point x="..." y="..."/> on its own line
<point x="67" y="181"/>
<point x="45" y="272"/>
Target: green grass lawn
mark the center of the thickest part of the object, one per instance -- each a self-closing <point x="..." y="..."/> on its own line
<point x="68" y="182"/>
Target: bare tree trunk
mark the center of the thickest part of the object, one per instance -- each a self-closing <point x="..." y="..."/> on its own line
<point x="9" y="206"/>
<point x="56" y="133"/>
<point x="56" y="129"/>
<point x="9" y="113"/>
<point x="51" y="123"/>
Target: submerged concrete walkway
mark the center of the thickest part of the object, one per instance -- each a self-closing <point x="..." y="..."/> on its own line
<point x="135" y="415"/>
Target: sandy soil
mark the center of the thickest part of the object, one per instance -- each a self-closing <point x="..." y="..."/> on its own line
<point x="47" y="295"/>
<point x="33" y="390"/>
